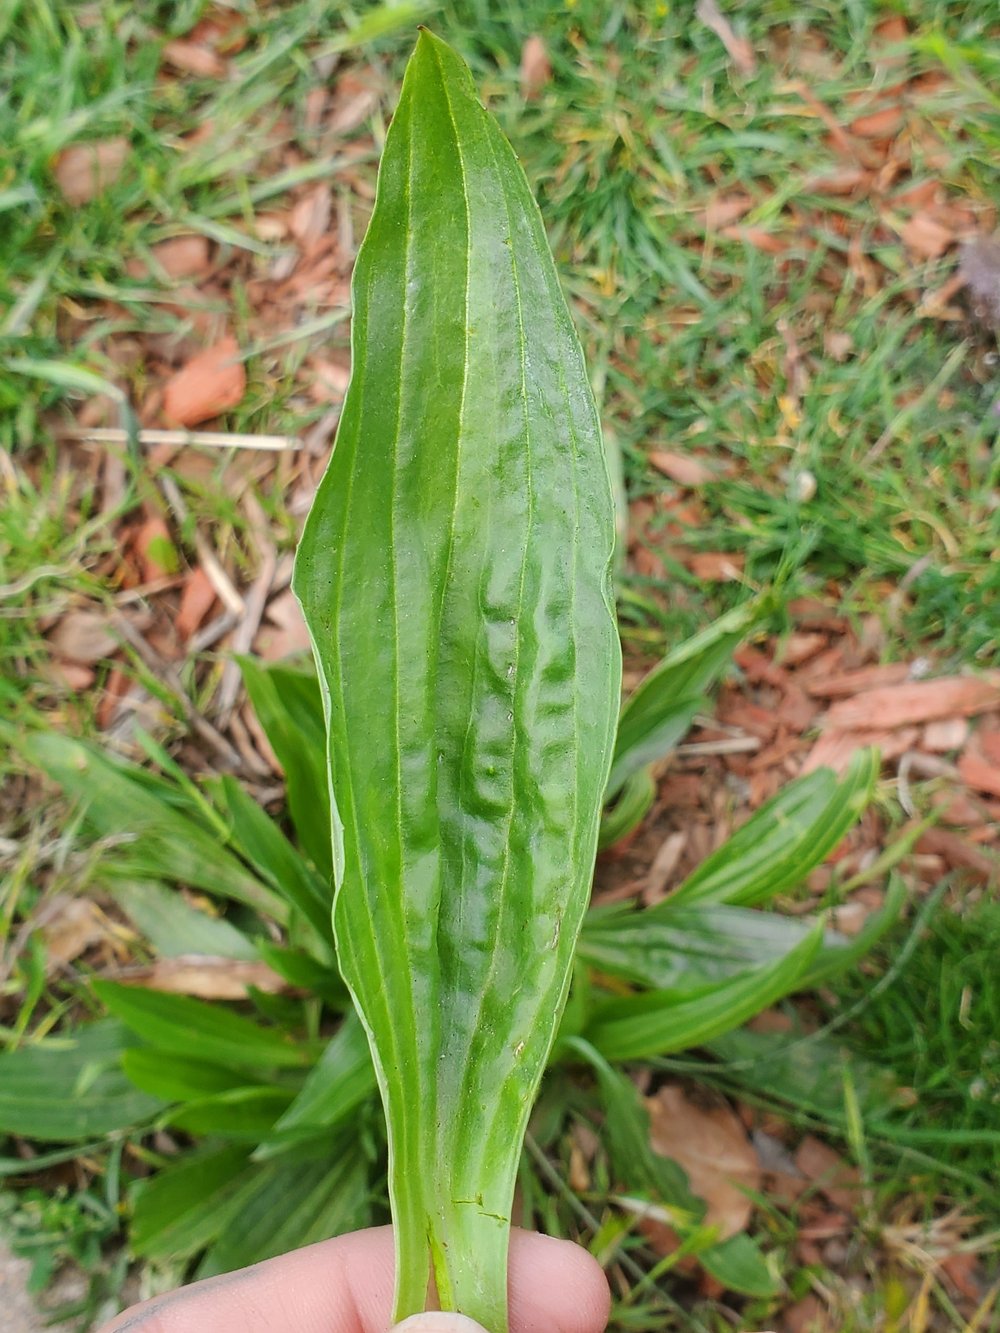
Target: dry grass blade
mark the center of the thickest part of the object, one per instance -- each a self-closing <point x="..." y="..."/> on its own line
<point x="208" y="439"/>
<point x="739" y="49"/>
<point x="210" y="563"/>
<point x="166" y="673"/>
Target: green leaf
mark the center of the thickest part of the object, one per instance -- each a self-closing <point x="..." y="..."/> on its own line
<point x="656" y="1023"/>
<point x="637" y="794"/>
<point x="691" y="949"/>
<point x="180" y="1025"/>
<point x="286" y="1205"/>
<point x="289" y="706"/>
<point x="785" y="839"/>
<point x="687" y="949"/>
<point x="178" y="1079"/>
<point x="239" y="1113"/>
<point x="173" y="927"/>
<point x="64" y="375"/>
<point x="69" y="1088"/>
<point x="261" y="842"/>
<point x="740" y="1265"/>
<point x="304" y="972"/>
<point x="342" y="1080"/>
<point x="185" y="1207"/>
<point x="454" y="574"/>
<point x="659" y="711"/>
<point x="156" y="839"/>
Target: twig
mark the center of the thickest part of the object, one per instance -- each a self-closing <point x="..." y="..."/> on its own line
<point x="210" y="563"/>
<point x="733" y="745"/>
<point x="166" y="673"/>
<point x="256" y="601"/>
<point x="145" y="590"/>
<point x="254" y="762"/>
<point x="212" y="632"/>
<point x="208" y="439"/>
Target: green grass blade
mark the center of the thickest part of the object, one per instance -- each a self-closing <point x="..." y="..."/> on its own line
<point x="454" y="574"/>
<point x="157" y="840"/>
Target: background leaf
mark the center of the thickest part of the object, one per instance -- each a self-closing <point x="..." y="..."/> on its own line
<point x="786" y="838"/>
<point x="72" y="1087"/>
<point x="180" y="1025"/>
<point x="659" y="711"/>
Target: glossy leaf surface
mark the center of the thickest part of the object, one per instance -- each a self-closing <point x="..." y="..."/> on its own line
<point x="454" y="574"/>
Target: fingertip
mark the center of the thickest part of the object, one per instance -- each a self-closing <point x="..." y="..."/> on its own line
<point x="556" y="1286"/>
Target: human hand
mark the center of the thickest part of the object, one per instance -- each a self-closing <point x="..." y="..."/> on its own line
<point x="345" y="1286"/>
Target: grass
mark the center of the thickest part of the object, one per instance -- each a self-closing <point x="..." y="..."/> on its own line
<point x="698" y="341"/>
<point x="704" y="343"/>
<point x="863" y="465"/>
<point x="936" y="1028"/>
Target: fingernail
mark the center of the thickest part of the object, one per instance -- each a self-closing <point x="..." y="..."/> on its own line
<point x="437" y="1321"/>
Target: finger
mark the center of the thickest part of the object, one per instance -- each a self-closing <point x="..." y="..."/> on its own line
<point x="345" y="1286"/>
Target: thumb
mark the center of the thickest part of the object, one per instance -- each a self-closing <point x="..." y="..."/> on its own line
<point x="438" y="1321"/>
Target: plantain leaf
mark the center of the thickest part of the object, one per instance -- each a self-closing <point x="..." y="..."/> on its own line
<point x="181" y="1025"/>
<point x="178" y="1079"/>
<point x="241" y="1114"/>
<point x="285" y="1205"/>
<point x="637" y="795"/>
<point x="261" y="842"/>
<point x="121" y="801"/>
<point x="72" y="1087"/>
<point x="659" y="1022"/>
<point x="172" y="926"/>
<point x="289" y="708"/>
<point x="687" y="949"/>
<point x="454" y="575"/>
<point x="659" y="711"/>
<point x="778" y="845"/>
<point x="185" y="1206"/>
<point x="342" y="1080"/>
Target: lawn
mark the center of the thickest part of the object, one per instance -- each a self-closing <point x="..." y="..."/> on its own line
<point x="774" y="229"/>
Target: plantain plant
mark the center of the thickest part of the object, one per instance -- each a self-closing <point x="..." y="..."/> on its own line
<point x="464" y="717"/>
<point x="455" y="576"/>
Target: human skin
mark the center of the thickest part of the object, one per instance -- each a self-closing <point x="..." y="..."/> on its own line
<point x="346" y="1285"/>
